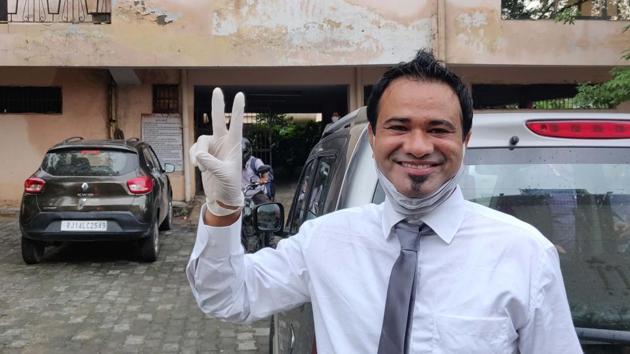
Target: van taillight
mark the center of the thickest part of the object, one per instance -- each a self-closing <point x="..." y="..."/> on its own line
<point x="34" y="185"/>
<point x="140" y="185"/>
<point x="581" y="129"/>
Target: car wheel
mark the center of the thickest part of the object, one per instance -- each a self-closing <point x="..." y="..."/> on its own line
<point x="168" y="220"/>
<point x="32" y="251"/>
<point x="150" y="246"/>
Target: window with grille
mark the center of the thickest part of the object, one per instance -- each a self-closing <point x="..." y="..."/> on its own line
<point x="165" y="99"/>
<point x="15" y="99"/>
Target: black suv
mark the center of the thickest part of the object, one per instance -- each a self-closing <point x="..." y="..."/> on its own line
<point x="96" y="190"/>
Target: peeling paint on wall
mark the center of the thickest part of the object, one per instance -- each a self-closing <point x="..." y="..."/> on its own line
<point x="252" y="33"/>
<point x="332" y="26"/>
<point x="478" y="30"/>
<point x="476" y="34"/>
<point x="161" y="16"/>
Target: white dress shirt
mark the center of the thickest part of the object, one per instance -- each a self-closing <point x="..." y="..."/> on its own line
<point x="487" y="282"/>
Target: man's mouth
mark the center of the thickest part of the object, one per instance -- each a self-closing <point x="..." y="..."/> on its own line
<point x="418" y="168"/>
<point x="417" y="165"/>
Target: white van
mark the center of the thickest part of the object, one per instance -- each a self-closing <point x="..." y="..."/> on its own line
<point x="568" y="174"/>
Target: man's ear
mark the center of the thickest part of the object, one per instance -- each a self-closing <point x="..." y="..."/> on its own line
<point x="467" y="138"/>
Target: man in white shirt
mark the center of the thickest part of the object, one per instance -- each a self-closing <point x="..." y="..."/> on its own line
<point x="484" y="282"/>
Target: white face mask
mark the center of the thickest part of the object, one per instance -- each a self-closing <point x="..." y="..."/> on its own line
<point x="415" y="208"/>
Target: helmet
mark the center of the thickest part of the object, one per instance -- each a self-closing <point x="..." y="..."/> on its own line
<point x="246" y="146"/>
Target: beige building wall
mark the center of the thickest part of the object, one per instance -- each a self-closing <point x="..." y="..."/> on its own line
<point x="173" y="33"/>
<point x="135" y="100"/>
<point x="472" y="32"/>
<point x="26" y="137"/>
<point x="200" y="33"/>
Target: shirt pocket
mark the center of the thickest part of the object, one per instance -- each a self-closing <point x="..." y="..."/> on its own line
<point x="463" y="334"/>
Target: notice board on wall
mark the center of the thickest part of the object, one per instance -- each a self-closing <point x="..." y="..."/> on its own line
<point x="163" y="131"/>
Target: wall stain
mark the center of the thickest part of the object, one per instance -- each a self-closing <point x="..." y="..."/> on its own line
<point x="479" y="30"/>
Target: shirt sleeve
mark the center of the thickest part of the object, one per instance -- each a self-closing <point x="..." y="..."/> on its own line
<point x="237" y="287"/>
<point x="549" y="328"/>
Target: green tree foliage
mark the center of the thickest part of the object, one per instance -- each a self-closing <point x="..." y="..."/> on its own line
<point x="290" y="141"/>
<point x="607" y="94"/>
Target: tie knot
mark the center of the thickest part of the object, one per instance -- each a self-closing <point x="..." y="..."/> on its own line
<point x="409" y="235"/>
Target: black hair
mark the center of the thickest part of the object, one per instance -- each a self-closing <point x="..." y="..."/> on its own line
<point x="424" y="67"/>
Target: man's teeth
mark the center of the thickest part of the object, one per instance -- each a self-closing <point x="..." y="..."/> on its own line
<point x="414" y="165"/>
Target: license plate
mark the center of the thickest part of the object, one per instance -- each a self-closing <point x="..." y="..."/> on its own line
<point x="83" y="225"/>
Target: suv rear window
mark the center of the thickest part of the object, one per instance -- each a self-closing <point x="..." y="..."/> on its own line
<point x="89" y="162"/>
<point x="579" y="198"/>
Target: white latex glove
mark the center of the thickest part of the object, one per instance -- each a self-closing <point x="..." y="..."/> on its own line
<point x="219" y="156"/>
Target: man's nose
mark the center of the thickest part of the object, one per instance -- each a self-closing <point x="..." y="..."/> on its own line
<point x="418" y="144"/>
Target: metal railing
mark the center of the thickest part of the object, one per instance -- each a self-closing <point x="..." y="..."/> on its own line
<point x="50" y="11"/>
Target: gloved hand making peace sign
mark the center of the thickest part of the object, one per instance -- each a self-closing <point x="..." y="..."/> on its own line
<point x="219" y="156"/>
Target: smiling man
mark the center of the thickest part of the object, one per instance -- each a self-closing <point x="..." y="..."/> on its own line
<point x="420" y="135"/>
<point x="423" y="272"/>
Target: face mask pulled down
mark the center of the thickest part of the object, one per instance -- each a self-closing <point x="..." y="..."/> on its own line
<point x="413" y="209"/>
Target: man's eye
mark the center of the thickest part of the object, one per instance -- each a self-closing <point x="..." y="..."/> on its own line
<point x="439" y="131"/>
<point x="397" y="127"/>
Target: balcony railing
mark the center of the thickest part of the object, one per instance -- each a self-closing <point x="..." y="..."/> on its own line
<point x="48" y="11"/>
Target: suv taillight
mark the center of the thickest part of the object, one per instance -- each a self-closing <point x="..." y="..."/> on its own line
<point x="581" y="129"/>
<point x="140" y="185"/>
<point x="34" y="185"/>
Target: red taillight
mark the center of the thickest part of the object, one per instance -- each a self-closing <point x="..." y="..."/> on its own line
<point x="581" y="129"/>
<point x="90" y="152"/>
<point x="34" y="185"/>
<point x="140" y="185"/>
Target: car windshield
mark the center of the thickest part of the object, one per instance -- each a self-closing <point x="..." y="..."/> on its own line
<point x="89" y="162"/>
<point x="579" y="198"/>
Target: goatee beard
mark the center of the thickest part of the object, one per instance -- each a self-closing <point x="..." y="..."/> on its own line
<point x="416" y="182"/>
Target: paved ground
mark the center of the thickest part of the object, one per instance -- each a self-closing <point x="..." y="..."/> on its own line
<point x="96" y="297"/>
<point x="93" y="298"/>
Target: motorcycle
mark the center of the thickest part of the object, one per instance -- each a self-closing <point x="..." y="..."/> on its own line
<point x="251" y="238"/>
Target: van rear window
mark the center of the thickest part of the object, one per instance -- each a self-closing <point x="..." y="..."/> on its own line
<point x="579" y="198"/>
<point x="89" y="162"/>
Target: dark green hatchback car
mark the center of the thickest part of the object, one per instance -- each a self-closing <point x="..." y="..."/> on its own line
<point x="96" y="190"/>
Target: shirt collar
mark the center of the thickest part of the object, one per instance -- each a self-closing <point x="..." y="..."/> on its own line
<point x="444" y="220"/>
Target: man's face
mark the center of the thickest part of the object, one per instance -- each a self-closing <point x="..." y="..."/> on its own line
<point x="418" y="141"/>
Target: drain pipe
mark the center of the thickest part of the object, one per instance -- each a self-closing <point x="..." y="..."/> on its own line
<point x="188" y="136"/>
<point x="112" y="104"/>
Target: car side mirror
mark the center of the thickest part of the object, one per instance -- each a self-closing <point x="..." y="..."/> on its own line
<point x="169" y="167"/>
<point x="269" y="217"/>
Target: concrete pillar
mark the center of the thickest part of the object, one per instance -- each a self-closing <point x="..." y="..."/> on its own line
<point x="188" y="125"/>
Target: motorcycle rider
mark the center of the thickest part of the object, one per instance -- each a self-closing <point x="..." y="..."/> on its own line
<point x="250" y="174"/>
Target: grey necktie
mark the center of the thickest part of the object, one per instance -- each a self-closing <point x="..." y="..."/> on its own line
<point x="396" y="330"/>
